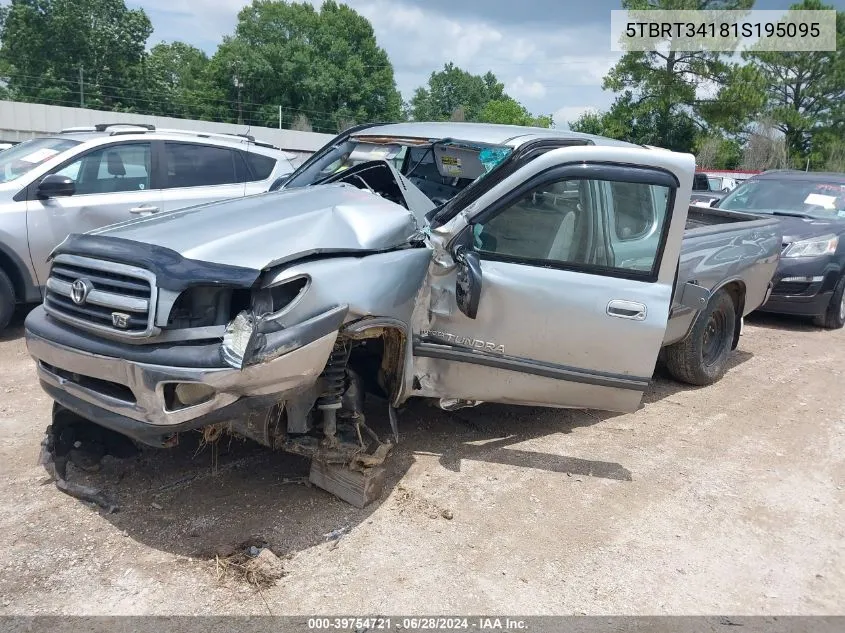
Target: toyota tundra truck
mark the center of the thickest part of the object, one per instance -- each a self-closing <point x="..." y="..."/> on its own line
<point x="464" y="263"/>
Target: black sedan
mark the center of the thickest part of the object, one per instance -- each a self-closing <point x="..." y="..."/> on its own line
<point x="810" y="279"/>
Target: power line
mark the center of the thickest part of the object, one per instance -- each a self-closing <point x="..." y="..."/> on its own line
<point x="125" y="93"/>
<point x="254" y="110"/>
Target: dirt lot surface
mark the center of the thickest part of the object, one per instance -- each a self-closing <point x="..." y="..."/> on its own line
<point x="725" y="499"/>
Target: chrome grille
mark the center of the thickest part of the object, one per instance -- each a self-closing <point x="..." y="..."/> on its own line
<point x="99" y="295"/>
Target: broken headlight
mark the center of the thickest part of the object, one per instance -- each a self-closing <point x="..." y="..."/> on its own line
<point x="239" y="339"/>
<point x="242" y="337"/>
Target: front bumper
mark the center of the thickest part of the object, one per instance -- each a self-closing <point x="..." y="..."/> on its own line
<point x="802" y="287"/>
<point x="122" y="386"/>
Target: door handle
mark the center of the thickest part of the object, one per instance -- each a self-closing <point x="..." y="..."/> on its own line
<point x="622" y="309"/>
<point x="144" y="209"/>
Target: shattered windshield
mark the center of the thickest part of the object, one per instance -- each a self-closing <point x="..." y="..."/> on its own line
<point x="439" y="168"/>
<point x="810" y="198"/>
<point x="23" y="158"/>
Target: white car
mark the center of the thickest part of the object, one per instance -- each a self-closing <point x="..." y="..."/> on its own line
<point x="84" y="178"/>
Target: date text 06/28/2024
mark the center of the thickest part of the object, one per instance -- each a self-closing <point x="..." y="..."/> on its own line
<point x="432" y="623"/>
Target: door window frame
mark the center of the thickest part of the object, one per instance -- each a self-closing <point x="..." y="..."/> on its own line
<point x="163" y="175"/>
<point x="32" y="188"/>
<point x="613" y="172"/>
<point x="251" y="173"/>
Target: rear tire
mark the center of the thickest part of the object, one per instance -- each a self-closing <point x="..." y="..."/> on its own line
<point x="7" y="300"/>
<point x="834" y="316"/>
<point x="702" y="357"/>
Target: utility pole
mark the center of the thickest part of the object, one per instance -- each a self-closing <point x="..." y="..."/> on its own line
<point x="239" y="84"/>
<point x="280" y="117"/>
<point x="81" y="88"/>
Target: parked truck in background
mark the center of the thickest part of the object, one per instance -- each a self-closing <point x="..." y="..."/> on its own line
<point x="465" y="263"/>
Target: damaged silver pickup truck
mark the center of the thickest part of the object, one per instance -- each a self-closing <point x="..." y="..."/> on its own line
<point x="467" y="263"/>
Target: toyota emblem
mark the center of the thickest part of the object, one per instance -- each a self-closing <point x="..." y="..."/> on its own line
<point x="79" y="290"/>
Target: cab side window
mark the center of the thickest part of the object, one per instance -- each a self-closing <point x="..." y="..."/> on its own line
<point x="124" y="167"/>
<point x="581" y="223"/>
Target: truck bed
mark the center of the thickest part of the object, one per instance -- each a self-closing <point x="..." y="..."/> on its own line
<point x="722" y="247"/>
<point x="698" y="217"/>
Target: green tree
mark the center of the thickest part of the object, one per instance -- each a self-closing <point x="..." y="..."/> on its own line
<point x="177" y="82"/>
<point x="510" y="111"/>
<point x="828" y="149"/>
<point x="451" y="89"/>
<point x="453" y="94"/>
<point x="658" y="88"/>
<point x="804" y="92"/>
<point x="631" y="119"/>
<point x="713" y="151"/>
<point x="45" y="43"/>
<point x="324" y="64"/>
<point x="590" y="122"/>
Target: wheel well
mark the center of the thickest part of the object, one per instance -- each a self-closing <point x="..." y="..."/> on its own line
<point x="378" y="356"/>
<point x="15" y="276"/>
<point x="736" y="290"/>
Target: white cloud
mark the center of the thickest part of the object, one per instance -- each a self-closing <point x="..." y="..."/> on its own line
<point x="564" y="115"/>
<point x="545" y="68"/>
<point x="551" y="68"/>
<point x="520" y="89"/>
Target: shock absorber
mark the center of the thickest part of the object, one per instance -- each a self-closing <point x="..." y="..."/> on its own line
<point x="334" y="383"/>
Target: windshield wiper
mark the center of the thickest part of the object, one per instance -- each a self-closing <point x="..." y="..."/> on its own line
<point x="793" y="214"/>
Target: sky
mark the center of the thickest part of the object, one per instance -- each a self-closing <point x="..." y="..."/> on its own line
<point x="551" y="54"/>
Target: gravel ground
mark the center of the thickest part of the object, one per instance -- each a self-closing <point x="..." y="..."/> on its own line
<point x="725" y="499"/>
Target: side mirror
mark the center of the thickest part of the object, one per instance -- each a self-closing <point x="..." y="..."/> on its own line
<point x="55" y="186"/>
<point x="468" y="282"/>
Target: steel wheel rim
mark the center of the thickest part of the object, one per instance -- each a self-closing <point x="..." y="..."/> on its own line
<point x="713" y="340"/>
<point x="842" y="308"/>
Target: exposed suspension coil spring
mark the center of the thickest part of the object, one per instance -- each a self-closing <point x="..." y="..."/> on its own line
<point x="334" y="376"/>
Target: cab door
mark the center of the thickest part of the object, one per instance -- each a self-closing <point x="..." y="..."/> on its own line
<point x="112" y="183"/>
<point x="529" y="302"/>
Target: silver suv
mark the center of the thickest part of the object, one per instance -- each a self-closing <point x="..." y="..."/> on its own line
<point x="85" y="178"/>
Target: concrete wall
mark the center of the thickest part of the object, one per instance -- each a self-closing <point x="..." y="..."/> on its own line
<point x="21" y="121"/>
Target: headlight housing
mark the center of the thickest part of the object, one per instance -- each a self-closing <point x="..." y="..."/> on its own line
<point x="246" y="333"/>
<point x="813" y="247"/>
<point x="239" y="339"/>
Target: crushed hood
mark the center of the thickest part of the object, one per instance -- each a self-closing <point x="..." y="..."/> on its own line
<point x="259" y="231"/>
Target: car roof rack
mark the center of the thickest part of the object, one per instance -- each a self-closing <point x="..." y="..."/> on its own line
<point x="78" y="128"/>
<point x="141" y="128"/>
<point x="230" y="136"/>
<point x="102" y="127"/>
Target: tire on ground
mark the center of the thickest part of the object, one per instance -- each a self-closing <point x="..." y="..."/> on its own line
<point x="7" y="300"/>
<point x="834" y="317"/>
<point x="702" y="357"/>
